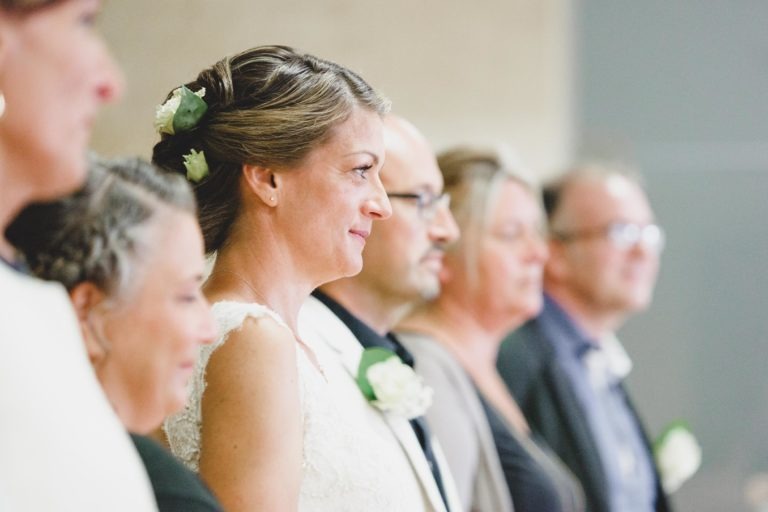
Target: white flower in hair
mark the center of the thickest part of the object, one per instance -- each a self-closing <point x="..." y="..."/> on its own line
<point x="196" y="166"/>
<point x="165" y="113"/>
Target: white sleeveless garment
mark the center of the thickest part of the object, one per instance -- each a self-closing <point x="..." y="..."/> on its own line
<point x="348" y="463"/>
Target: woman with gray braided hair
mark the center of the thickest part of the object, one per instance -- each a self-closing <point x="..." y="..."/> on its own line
<point x="128" y="250"/>
<point x="61" y="445"/>
<point x="285" y="150"/>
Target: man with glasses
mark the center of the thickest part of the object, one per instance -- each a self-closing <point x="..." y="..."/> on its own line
<point x="402" y="260"/>
<point x="566" y="367"/>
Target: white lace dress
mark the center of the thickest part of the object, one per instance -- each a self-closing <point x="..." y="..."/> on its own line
<point x="349" y="463"/>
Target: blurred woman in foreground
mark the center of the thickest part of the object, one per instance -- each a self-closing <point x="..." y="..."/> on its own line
<point x="62" y="447"/>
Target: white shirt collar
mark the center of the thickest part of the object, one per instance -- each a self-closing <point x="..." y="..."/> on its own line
<point x="607" y="363"/>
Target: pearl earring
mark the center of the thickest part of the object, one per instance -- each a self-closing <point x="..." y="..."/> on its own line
<point x="2" y="104"/>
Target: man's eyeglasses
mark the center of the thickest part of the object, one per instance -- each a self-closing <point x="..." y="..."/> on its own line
<point x="426" y="202"/>
<point x="622" y="235"/>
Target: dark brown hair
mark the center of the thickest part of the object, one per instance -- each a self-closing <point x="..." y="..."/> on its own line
<point x="268" y="106"/>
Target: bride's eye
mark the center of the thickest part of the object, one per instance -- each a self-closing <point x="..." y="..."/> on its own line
<point x="362" y="171"/>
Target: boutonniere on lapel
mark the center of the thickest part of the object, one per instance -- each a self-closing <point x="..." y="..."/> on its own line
<point x="391" y="385"/>
<point x="677" y="454"/>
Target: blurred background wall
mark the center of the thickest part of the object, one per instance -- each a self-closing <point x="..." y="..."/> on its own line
<point x="494" y="72"/>
<point x="679" y="88"/>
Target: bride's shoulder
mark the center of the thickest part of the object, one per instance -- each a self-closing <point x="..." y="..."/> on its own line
<point x="256" y="365"/>
<point x="254" y="334"/>
<point x="232" y="315"/>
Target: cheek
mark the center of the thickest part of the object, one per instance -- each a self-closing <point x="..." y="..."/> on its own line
<point x="494" y="273"/>
<point x="180" y="334"/>
<point x="390" y="235"/>
<point x="173" y="351"/>
<point x="78" y="61"/>
<point x="409" y="238"/>
<point x="504" y="264"/>
<point x="592" y="264"/>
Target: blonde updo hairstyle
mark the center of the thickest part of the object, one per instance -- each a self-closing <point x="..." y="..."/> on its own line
<point x="267" y="106"/>
<point x="473" y="177"/>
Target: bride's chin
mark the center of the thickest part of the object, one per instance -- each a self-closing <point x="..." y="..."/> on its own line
<point x="354" y="266"/>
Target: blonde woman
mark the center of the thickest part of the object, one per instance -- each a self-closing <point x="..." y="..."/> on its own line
<point x="491" y="284"/>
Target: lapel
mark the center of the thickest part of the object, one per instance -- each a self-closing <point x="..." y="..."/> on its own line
<point x="576" y="423"/>
<point x="449" y="486"/>
<point x="575" y="431"/>
<point x="326" y="326"/>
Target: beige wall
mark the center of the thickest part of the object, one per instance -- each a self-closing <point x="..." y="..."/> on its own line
<point x="496" y="71"/>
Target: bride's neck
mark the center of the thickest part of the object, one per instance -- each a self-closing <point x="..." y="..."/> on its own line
<point x="243" y="275"/>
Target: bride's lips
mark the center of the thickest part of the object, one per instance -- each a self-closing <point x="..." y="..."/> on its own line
<point x="360" y="234"/>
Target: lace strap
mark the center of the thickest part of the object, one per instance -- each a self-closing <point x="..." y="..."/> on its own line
<point x="230" y="314"/>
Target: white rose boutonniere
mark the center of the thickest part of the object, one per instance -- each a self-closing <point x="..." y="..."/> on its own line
<point x="181" y="111"/>
<point x="392" y="386"/>
<point x="677" y="454"/>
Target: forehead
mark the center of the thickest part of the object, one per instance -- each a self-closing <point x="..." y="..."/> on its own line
<point x="174" y="243"/>
<point x="603" y="200"/>
<point x="513" y="200"/>
<point x="360" y="132"/>
<point x="410" y="163"/>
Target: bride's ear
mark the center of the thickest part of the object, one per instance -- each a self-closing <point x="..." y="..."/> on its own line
<point x="87" y="298"/>
<point x="262" y="182"/>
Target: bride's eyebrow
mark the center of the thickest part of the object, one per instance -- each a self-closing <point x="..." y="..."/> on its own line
<point x="364" y="152"/>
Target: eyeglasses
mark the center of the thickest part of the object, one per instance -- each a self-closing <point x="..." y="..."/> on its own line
<point x="426" y="202"/>
<point x="622" y="235"/>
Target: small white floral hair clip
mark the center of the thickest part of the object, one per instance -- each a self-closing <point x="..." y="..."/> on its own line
<point x="181" y="112"/>
<point x="196" y="166"/>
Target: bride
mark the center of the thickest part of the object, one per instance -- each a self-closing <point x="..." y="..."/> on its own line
<point x="285" y="151"/>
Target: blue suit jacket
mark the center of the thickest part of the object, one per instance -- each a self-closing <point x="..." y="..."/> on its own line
<point x="528" y="366"/>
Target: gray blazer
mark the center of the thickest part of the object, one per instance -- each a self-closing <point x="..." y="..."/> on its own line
<point x="458" y="421"/>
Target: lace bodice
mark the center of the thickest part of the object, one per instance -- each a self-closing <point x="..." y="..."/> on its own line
<point x="183" y="428"/>
<point x="351" y="461"/>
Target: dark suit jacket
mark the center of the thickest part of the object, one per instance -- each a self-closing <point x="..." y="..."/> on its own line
<point x="544" y="392"/>
<point x="177" y="489"/>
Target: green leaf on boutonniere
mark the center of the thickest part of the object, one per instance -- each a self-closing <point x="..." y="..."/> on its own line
<point x="191" y="108"/>
<point x="370" y="357"/>
<point x="665" y="433"/>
